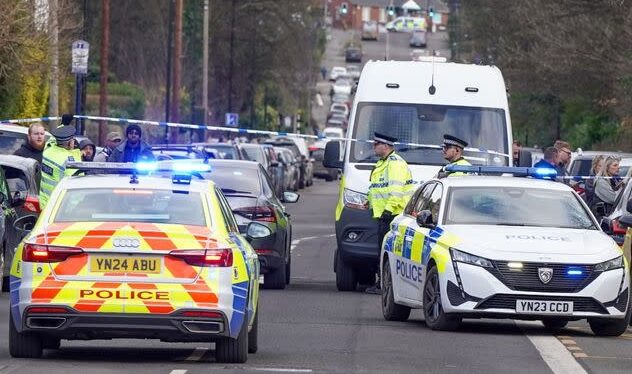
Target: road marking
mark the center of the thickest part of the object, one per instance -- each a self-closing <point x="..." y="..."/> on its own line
<point x="553" y="352"/>
<point x="296" y="242"/>
<point x="285" y="370"/>
<point x="178" y="371"/>
<point x="197" y="354"/>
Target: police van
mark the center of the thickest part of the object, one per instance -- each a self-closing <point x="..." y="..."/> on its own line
<point x="416" y="102"/>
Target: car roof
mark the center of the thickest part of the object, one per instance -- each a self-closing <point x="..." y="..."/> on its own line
<point x="500" y="181"/>
<point x="18" y="161"/>
<point x="122" y="181"/>
<point x="585" y="155"/>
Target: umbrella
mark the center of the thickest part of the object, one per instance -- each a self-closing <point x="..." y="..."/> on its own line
<point x="411" y="5"/>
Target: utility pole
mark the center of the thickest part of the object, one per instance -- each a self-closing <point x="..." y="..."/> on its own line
<point x="103" y="83"/>
<point x="230" y="63"/>
<point x="388" y="39"/>
<point x="177" y="66"/>
<point x="53" y="30"/>
<point x="205" y="65"/>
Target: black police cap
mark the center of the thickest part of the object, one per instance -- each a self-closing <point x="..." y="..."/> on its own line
<point x="382" y="138"/>
<point x="63" y="133"/>
<point x="453" y="140"/>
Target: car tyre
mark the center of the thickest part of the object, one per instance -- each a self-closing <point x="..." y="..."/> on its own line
<point x="436" y="318"/>
<point x="233" y="351"/>
<point x="554" y="324"/>
<point x="611" y="327"/>
<point x="391" y="310"/>
<point x="275" y="280"/>
<point x="23" y="344"/>
<point x="345" y="275"/>
<point x="288" y="270"/>
<point x="253" y="334"/>
<point x="329" y="178"/>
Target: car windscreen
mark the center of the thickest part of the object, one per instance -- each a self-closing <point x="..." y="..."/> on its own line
<point x="516" y="206"/>
<point x="10" y="143"/>
<point x="232" y="179"/>
<point x="581" y="167"/>
<point x="174" y="154"/>
<point x="482" y="128"/>
<point x="255" y="154"/>
<point x="224" y="152"/>
<point x="131" y="205"/>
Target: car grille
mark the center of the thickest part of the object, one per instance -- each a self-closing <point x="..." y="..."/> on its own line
<point x="505" y="301"/>
<point x="527" y="278"/>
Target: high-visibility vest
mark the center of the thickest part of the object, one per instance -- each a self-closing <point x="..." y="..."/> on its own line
<point x="391" y="185"/>
<point x="54" y="169"/>
<point x="461" y="162"/>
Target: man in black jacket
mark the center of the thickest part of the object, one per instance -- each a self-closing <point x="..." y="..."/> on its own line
<point x="133" y="148"/>
<point x="35" y="141"/>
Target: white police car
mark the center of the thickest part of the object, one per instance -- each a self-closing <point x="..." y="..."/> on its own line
<point x="503" y="247"/>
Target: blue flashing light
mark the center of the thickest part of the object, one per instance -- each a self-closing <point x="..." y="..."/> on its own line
<point x="574" y="272"/>
<point x="545" y="173"/>
<point x="188" y="167"/>
<point x="146" y="166"/>
<point x="541" y="173"/>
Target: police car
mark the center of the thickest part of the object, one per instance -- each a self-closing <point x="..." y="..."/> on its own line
<point x="121" y="254"/>
<point x="503" y="247"/>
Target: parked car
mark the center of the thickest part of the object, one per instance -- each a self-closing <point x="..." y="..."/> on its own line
<point x="342" y="108"/>
<point x="333" y="132"/>
<point x="418" y="54"/>
<point x="353" y="54"/>
<point x="249" y="192"/>
<point x="336" y="72"/>
<point x="581" y="162"/>
<point x="266" y="157"/>
<point x="317" y="152"/>
<point x="354" y="71"/>
<point x="300" y="154"/>
<point x="343" y="85"/>
<point x="178" y="152"/>
<point x="337" y="122"/>
<point x="370" y="30"/>
<point x="292" y="168"/>
<point x="417" y="39"/>
<point x="225" y="151"/>
<point x="342" y="98"/>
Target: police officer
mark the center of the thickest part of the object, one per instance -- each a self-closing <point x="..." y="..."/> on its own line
<point x="453" y="153"/>
<point x="391" y="187"/>
<point x="54" y="160"/>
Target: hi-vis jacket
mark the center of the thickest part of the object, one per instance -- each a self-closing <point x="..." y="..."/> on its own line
<point x="461" y="162"/>
<point x="54" y="169"/>
<point x="391" y="185"/>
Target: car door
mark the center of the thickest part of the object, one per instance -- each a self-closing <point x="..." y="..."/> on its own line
<point x="407" y="246"/>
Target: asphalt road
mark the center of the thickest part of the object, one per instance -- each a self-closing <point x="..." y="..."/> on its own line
<point x="311" y="327"/>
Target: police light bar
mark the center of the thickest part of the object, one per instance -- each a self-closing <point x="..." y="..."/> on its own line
<point x="143" y="167"/>
<point x="542" y="173"/>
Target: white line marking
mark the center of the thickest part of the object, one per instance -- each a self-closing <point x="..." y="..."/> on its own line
<point x="296" y="242"/>
<point x="285" y="370"/>
<point x="177" y="371"/>
<point x="197" y="354"/>
<point x="554" y="353"/>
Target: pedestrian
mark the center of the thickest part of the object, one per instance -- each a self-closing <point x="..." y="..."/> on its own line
<point x="515" y="148"/>
<point x="331" y="93"/>
<point x="133" y="149"/>
<point x="87" y="148"/>
<point x="589" y="186"/>
<point x="112" y="140"/>
<point x="323" y="72"/>
<point x="54" y="159"/>
<point x="35" y="142"/>
<point x="608" y="185"/>
<point x="549" y="160"/>
<point x="452" y="151"/>
<point x="563" y="158"/>
<point x="391" y="185"/>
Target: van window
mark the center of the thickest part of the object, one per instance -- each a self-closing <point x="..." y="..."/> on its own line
<point x="483" y="128"/>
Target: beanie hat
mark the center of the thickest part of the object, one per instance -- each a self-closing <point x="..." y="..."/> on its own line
<point x="133" y="127"/>
<point x="66" y="119"/>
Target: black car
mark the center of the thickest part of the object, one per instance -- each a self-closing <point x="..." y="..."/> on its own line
<point x="250" y="194"/>
<point x="264" y="155"/>
<point x="285" y="142"/>
<point x="353" y="54"/>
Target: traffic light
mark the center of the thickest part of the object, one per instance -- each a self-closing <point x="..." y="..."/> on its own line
<point x="390" y="10"/>
<point x="431" y="12"/>
<point x="343" y="8"/>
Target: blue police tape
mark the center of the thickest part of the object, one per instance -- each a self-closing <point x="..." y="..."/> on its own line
<point x="238" y="131"/>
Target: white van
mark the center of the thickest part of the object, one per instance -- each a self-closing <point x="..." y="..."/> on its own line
<point x="417" y="102"/>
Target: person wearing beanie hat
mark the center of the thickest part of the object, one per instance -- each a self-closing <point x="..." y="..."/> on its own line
<point x="133" y="149"/>
<point x="88" y="149"/>
<point x="54" y="160"/>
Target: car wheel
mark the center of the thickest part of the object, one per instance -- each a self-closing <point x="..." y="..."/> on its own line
<point x="554" y="324"/>
<point x="434" y="315"/>
<point x="23" y="344"/>
<point x="275" y="280"/>
<point x="288" y="270"/>
<point x="391" y="310"/>
<point x="233" y="351"/>
<point x="253" y="335"/>
<point x="345" y="275"/>
<point x="611" y="327"/>
<point x="329" y="178"/>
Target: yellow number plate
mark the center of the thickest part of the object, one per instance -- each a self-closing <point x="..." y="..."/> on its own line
<point x="125" y="264"/>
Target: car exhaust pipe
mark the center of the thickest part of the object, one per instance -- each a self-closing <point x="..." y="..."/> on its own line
<point x="45" y="322"/>
<point x="203" y="327"/>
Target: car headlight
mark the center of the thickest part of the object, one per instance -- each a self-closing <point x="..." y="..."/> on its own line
<point x="355" y="200"/>
<point x="470" y="259"/>
<point x="615" y="263"/>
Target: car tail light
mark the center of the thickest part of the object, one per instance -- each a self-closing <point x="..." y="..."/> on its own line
<point x="201" y="314"/>
<point x="257" y="213"/>
<point x="32" y="204"/>
<point x="215" y="257"/>
<point x="48" y="253"/>
<point x="47" y="310"/>
<point x="618" y="229"/>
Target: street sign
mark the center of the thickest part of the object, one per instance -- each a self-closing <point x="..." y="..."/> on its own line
<point x="232" y="119"/>
<point x="80" y="52"/>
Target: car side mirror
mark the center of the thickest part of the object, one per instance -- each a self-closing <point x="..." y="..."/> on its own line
<point x="18" y="199"/>
<point x="626" y="221"/>
<point x="332" y="156"/>
<point x="606" y="225"/>
<point x="257" y="230"/>
<point x="424" y="219"/>
<point x="290" y="197"/>
<point x="24" y="225"/>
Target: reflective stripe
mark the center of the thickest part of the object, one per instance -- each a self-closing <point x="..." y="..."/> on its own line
<point x="48" y="160"/>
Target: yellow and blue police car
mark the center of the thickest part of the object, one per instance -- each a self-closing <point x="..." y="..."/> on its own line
<point x="503" y="247"/>
<point x="118" y="253"/>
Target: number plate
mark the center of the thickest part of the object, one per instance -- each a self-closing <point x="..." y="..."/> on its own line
<point x="125" y="264"/>
<point x="544" y="307"/>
